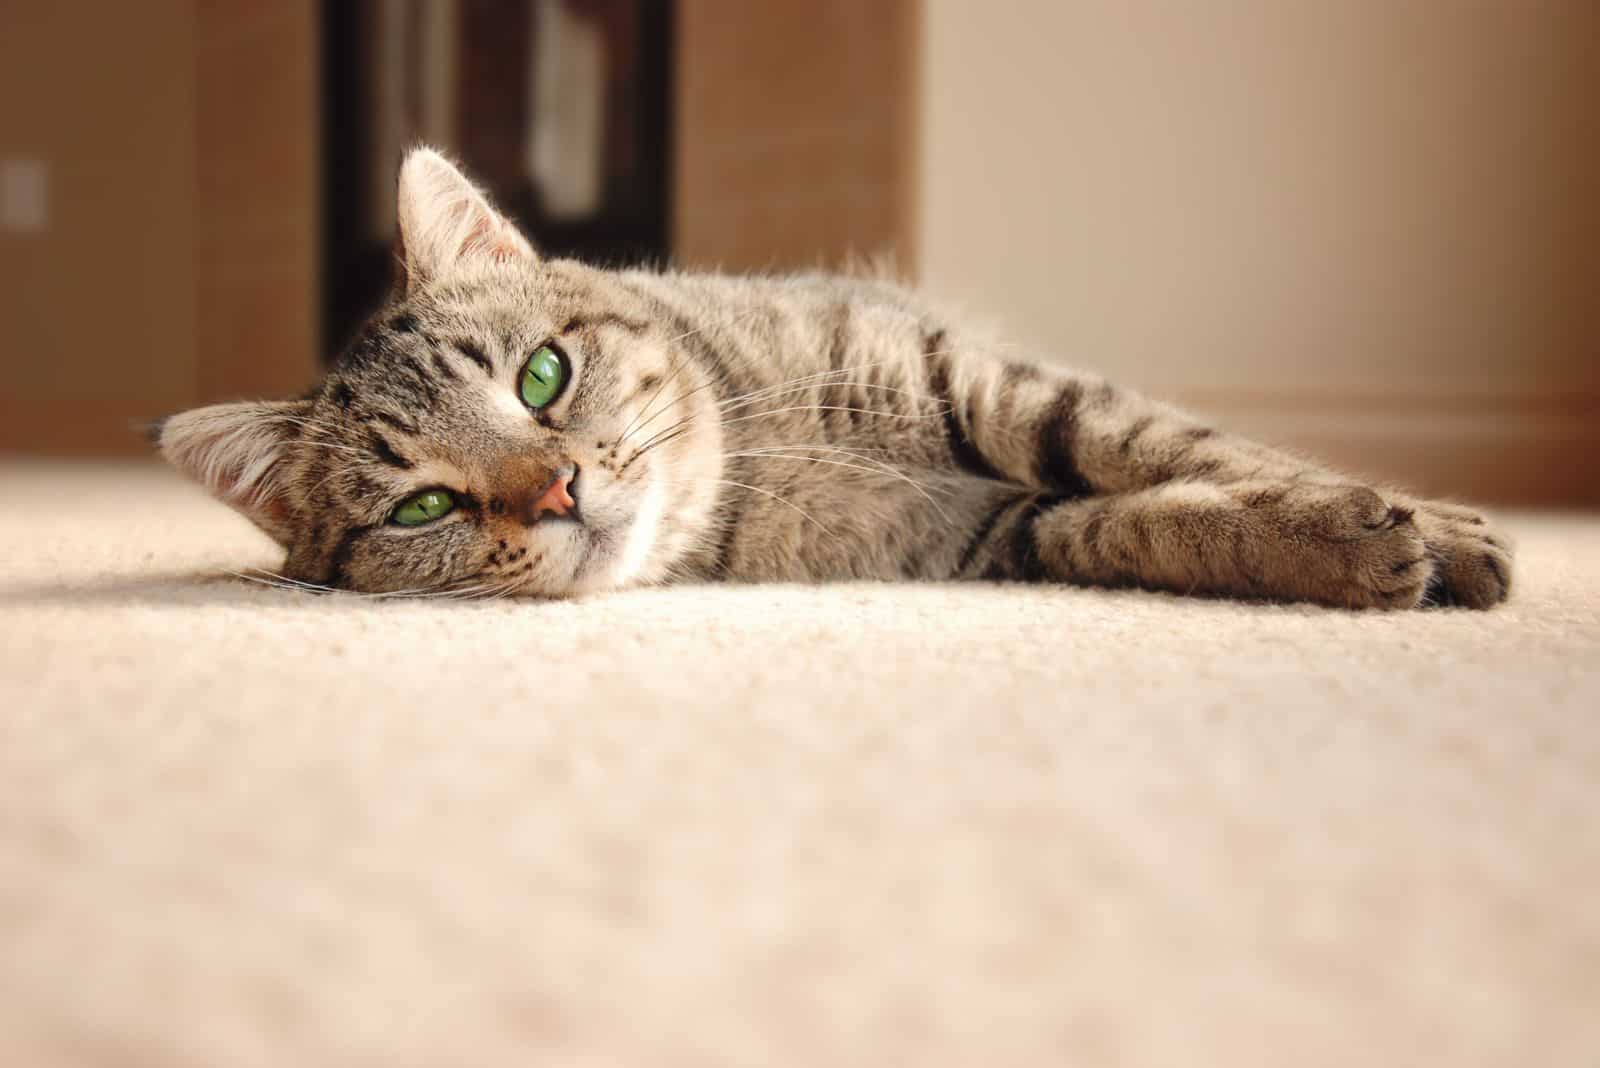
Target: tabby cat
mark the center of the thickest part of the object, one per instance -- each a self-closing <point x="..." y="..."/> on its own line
<point x="515" y="425"/>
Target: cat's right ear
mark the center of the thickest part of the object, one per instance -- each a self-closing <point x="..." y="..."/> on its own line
<point x="447" y="224"/>
<point x="239" y="453"/>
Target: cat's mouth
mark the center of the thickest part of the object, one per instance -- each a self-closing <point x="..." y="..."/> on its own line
<point x="613" y="546"/>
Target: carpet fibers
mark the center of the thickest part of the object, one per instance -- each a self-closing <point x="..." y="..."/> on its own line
<point x="857" y="825"/>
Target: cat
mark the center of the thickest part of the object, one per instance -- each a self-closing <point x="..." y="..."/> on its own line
<point x="514" y="425"/>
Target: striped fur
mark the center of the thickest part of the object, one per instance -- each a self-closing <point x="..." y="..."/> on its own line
<point x="805" y="428"/>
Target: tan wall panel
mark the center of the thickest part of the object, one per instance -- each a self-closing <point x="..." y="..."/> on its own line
<point x="178" y="263"/>
<point x="97" y="310"/>
<point x="256" y="233"/>
<point x="794" y="122"/>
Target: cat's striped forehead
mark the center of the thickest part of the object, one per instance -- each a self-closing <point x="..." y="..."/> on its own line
<point x="453" y="365"/>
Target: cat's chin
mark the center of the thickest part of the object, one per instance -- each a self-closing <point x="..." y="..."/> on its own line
<point x="619" y="555"/>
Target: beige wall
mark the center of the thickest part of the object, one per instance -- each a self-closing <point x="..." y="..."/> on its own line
<point x="1365" y="227"/>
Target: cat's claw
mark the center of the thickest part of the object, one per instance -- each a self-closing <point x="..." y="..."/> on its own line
<point x="1472" y="560"/>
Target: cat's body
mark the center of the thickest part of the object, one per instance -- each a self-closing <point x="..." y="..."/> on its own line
<point x="810" y="428"/>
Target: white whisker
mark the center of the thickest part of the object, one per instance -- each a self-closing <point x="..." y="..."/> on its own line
<point x="737" y="403"/>
<point x="754" y="489"/>
<point x="831" y="408"/>
<point x="882" y="468"/>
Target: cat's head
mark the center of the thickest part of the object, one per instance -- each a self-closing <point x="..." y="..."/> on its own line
<point x="505" y="424"/>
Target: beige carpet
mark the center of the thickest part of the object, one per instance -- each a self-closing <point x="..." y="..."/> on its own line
<point x="865" y="825"/>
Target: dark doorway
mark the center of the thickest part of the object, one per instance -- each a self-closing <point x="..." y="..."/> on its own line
<point x="560" y="109"/>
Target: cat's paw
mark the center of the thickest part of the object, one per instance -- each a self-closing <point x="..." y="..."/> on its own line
<point x="1384" y="553"/>
<point x="1351" y="547"/>
<point x="1471" y="557"/>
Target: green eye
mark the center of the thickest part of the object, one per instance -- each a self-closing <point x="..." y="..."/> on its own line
<point x="425" y="507"/>
<point x="542" y="377"/>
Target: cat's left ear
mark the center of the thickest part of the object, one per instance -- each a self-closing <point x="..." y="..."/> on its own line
<point x="239" y="452"/>
<point x="446" y="223"/>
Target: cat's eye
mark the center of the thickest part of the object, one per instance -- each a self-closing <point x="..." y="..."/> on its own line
<point x="423" y="507"/>
<point x="543" y="377"/>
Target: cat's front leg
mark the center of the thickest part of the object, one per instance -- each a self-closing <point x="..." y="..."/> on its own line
<point x="1076" y="436"/>
<point x="1343" y="546"/>
<point x="1056" y="429"/>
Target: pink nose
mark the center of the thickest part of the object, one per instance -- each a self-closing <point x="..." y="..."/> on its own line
<point x="556" y="498"/>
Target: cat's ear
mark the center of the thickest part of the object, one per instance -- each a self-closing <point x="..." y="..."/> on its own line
<point x="446" y="223"/>
<point x="239" y="452"/>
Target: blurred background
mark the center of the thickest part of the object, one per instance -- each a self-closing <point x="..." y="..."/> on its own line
<point x="1365" y="228"/>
